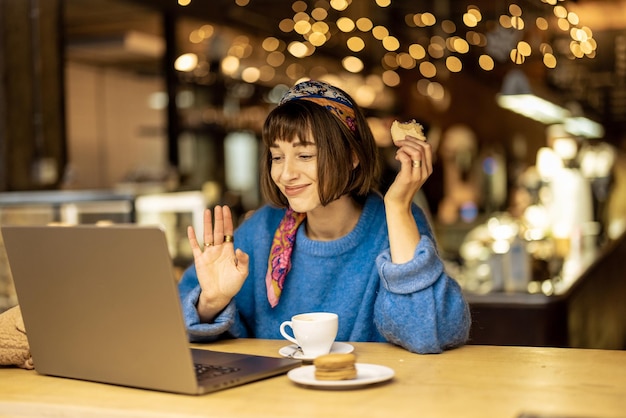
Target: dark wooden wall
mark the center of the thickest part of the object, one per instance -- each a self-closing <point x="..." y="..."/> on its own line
<point x="32" y="116"/>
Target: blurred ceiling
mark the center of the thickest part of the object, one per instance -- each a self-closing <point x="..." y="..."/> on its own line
<point x="129" y="34"/>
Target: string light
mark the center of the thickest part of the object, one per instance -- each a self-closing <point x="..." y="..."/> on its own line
<point x="436" y="46"/>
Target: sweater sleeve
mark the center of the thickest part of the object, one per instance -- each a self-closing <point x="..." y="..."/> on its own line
<point x="225" y="323"/>
<point x="419" y="307"/>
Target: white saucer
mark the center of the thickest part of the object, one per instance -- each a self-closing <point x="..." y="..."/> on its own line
<point x="293" y="351"/>
<point x="367" y="374"/>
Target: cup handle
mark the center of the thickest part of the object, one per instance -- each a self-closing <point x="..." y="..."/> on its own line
<point x="284" y="332"/>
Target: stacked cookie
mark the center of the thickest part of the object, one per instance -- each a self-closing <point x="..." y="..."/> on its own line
<point x="335" y="367"/>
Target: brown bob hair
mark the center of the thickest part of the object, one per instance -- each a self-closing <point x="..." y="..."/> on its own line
<point x="336" y="144"/>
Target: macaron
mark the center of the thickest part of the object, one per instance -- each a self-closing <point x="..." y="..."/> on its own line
<point x="335" y="366"/>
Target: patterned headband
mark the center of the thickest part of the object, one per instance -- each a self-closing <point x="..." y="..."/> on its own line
<point x="326" y="96"/>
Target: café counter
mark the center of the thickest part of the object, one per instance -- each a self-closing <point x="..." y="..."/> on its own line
<point x="471" y="381"/>
<point x="586" y="311"/>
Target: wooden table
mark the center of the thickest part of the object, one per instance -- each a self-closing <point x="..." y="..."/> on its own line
<point x="472" y="381"/>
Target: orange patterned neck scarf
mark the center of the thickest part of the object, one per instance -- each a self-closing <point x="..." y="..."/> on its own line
<point x="279" y="262"/>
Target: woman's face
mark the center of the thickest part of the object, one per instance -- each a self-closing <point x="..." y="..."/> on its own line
<point x="294" y="170"/>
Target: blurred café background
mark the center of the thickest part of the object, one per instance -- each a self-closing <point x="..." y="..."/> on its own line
<point x="149" y="111"/>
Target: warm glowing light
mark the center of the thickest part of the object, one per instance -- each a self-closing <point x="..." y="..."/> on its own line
<point x="524" y="48"/>
<point x="517" y="57"/>
<point x="270" y="44"/>
<point x="505" y="21"/>
<point x="517" y="23"/>
<point x="549" y="60"/>
<point x="339" y="5"/>
<point x="435" y="91"/>
<point x="560" y="12"/>
<point x="345" y="24"/>
<point x="352" y="64"/>
<point x="298" y="6"/>
<point x="436" y="50"/>
<point x="475" y="38"/>
<point x="417" y="51"/>
<point x="251" y="75"/>
<point x="460" y="45"/>
<point x="391" y="43"/>
<point x="364" y="24"/>
<point x="563" y="24"/>
<point x="275" y="58"/>
<point x="297" y="49"/>
<point x="548" y="163"/>
<point x="470" y="20"/>
<point x="428" y="69"/>
<point x="566" y="147"/>
<point x="486" y="62"/>
<point x="576" y="50"/>
<point x="515" y="10"/>
<point x="230" y="65"/>
<point x="317" y="39"/>
<point x="319" y="13"/>
<point x="365" y="95"/>
<point x="286" y="25"/>
<point x="475" y="11"/>
<point x="355" y="44"/>
<point x="195" y="37"/>
<point x="302" y="27"/>
<point x="454" y="64"/>
<point x="533" y="107"/>
<point x="266" y="73"/>
<point x="428" y="19"/>
<point x="405" y="61"/>
<point x="295" y="71"/>
<point x="300" y="16"/>
<point x="321" y="27"/>
<point x="541" y="23"/>
<point x="448" y="26"/>
<point x="390" y="60"/>
<point x="380" y="32"/>
<point x="391" y="78"/>
<point x="186" y="62"/>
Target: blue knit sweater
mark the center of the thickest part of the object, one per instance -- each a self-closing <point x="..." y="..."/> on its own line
<point x="414" y="305"/>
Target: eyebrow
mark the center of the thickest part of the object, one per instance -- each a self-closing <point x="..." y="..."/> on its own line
<point x="295" y="144"/>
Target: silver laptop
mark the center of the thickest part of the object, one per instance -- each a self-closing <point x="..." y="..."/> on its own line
<point x="100" y="303"/>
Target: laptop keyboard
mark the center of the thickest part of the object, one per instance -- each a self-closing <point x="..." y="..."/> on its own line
<point x="205" y="371"/>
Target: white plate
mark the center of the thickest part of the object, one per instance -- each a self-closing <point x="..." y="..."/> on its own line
<point x="366" y="374"/>
<point x="293" y="351"/>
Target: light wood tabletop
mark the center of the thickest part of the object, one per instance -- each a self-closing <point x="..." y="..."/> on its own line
<point x="471" y="381"/>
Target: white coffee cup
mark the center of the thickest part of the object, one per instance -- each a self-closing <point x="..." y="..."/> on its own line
<point x="314" y="332"/>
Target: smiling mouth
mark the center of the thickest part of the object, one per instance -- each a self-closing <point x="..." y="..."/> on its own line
<point x="293" y="190"/>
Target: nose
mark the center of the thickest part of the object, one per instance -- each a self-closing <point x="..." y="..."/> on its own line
<point x="289" y="170"/>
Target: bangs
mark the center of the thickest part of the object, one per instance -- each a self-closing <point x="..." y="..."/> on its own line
<point x="286" y="123"/>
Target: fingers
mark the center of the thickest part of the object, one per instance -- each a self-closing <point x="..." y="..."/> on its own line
<point x="415" y="155"/>
<point x="208" y="228"/>
<point x="228" y="221"/>
<point x="242" y="260"/>
<point x="193" y="241"/>
<point x="216" y="231"/>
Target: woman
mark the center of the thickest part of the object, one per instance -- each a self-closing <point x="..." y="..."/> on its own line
<point x="327" y="241"/>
